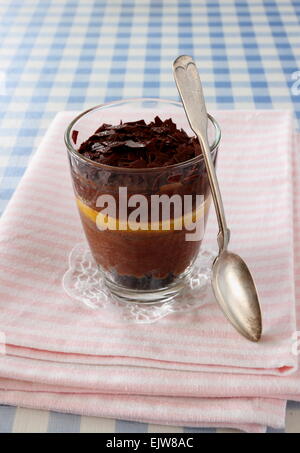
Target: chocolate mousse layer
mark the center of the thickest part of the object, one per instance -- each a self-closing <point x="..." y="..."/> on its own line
<point x="140" y="157"/>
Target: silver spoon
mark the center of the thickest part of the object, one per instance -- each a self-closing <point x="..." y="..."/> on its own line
<point x="232" y="282"/>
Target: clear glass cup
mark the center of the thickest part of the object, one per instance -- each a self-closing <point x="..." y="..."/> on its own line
<point x="147" y="261"/>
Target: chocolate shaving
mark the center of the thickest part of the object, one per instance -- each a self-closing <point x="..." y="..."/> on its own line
<point x="74" y="136"/>
<point x="139" y="145"/>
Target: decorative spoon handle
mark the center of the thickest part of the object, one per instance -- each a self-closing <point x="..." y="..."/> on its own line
<point x="190" y="89"/>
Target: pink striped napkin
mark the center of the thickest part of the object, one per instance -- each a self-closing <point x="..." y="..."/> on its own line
<point x="55" y="346"/>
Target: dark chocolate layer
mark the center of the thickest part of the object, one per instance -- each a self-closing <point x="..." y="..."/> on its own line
<point x="140" y="145"/>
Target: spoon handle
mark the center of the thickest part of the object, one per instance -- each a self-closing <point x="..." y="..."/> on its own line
<point x="190" y="89"/>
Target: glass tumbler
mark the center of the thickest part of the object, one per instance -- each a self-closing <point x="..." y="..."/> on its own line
<point x="145" y="226"/>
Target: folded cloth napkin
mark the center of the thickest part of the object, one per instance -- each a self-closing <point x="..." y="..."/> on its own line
<point x="62" y="356"/>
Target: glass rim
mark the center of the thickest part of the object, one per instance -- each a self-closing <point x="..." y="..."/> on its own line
<point x="195" y="159"/>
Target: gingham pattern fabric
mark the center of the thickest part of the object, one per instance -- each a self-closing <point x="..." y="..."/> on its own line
<point x="71" y="54"/>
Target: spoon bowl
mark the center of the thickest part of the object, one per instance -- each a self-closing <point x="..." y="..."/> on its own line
<point x="236" y="294"/>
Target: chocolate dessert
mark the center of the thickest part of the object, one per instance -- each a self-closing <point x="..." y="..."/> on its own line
<point x="142" y="158"/>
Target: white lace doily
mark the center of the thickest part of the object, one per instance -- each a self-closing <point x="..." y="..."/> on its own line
<point x="84" y="282"/>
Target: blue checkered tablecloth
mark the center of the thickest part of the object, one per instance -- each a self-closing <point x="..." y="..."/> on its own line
<point x="72" y="54"/>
